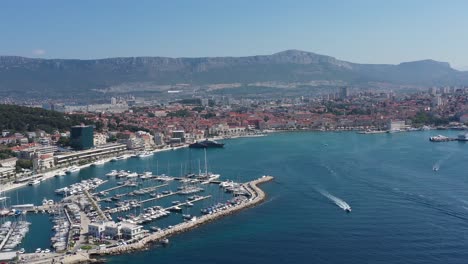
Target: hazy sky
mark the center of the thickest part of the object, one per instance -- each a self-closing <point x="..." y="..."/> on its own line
<point x="373" y="31"/>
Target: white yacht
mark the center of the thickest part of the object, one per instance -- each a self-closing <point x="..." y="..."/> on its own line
<point x="72" y="169"/>
<point x="144" y="154"/>
<point x="34" y="182"/>
<point x="99" y="162"/>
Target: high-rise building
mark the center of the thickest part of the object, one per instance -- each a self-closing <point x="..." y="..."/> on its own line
<point x="82" y="137"/>
<point x="344" y="92"/>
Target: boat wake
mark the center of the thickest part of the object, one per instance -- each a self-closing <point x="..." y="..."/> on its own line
<point x="339" y="202"/>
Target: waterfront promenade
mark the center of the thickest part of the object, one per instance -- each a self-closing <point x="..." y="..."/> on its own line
<point x="257" y="196"/>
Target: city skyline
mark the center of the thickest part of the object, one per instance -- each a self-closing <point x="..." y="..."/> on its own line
<point x="358" y="31"/>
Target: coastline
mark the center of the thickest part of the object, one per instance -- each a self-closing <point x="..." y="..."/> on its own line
<point x="50" y="174"/>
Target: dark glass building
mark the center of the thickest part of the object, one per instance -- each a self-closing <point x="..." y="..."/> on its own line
<point x="82" y="137"/>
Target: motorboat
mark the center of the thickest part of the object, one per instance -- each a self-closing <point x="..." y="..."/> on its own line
<point x="34" y="182"/>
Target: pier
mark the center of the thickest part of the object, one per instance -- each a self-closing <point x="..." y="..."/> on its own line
<point x="111" y="189"/>
<point x="149" y="189"/>
<point x="7" y="237"/>
<point x="95" y="205"/>
<point x="256" y="197"/>
<point x="160" y="197"/>
<point x="182" y="204"/>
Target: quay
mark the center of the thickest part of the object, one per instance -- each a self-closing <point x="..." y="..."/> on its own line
<point x="256" y="196"/>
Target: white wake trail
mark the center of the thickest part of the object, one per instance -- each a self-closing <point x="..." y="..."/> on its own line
<point x="339" y="202"/>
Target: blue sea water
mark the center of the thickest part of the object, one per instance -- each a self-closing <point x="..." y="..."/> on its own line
<point x="402" y="210"/>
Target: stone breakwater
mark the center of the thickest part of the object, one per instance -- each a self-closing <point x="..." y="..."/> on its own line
<point x="257" y="196"/>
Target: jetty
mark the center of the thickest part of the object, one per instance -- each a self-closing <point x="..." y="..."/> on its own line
<point x="256" y="196"/>
<point x="186" y="203"/>
<point x="95" y="205"/>
<point x="112" y="189"/>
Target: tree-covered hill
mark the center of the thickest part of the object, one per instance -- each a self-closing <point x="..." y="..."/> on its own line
<point x="21" y="119"/>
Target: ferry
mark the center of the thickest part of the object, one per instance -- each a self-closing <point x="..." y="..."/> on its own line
<point x="206" y="144"/>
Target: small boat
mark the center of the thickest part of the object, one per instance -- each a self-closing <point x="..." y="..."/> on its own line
<point x="21" y="251"/>
<point x="60" y="173"/>
<point x="144" y="154"/>
<point x="348" y="209"/>
<point x="38" y="250"/>
<point x="165" y="241"/>
<point x="98" y="162"/>
<point x="72" y="169"/>
<point x="175" y="209"/>
<point x="34" y="182"/>
<point x="186" y="216"/>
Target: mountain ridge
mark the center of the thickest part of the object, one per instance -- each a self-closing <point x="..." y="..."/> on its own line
<point x="60" y="77"/>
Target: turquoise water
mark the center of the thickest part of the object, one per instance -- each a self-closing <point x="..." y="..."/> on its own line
<point x="403" y="211"/>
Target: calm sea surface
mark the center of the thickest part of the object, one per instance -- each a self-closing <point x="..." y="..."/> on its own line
<point x="402" y="210"/>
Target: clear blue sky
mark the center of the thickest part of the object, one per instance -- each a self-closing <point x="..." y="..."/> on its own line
<point x="372" y="31"/>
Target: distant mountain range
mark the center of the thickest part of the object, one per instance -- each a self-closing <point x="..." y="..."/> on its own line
<point x="30" y="77"/>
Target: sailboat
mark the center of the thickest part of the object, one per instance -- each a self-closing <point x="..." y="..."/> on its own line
<point x="206" y="176"/>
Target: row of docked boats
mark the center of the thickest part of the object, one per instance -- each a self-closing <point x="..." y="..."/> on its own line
<point x="233" y="187"/>
<point x="189" y="189"/>
<point x="13" y="233"/>
<point x="124" y="206"/>
<point x="78" y="188"/>
<point x="61" y="228"/>
<point x="150" y="214"/>
<point x="221" y="207"/>
<point x="68" y="170"/>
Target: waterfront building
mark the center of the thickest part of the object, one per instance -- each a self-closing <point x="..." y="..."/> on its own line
<point x="159" y="139"/>
<point x="10" y="162"/>
<point x="135" y="143"/>
<point x="102" y="151"/>
<point x="99" y="139"/>
<point x="96" y="229"/>
<point x="81" y="137"/>
<point x="6" y="173"/>
<point x="131" y="231"/>
<point x="28" y="153"/>
<point x="178" y="134"/>
<point x="396" y="125"/>
<point x="43" y="162"/>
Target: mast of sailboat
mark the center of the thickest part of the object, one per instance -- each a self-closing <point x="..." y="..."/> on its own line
<point x="157" y="167"/>
<point x="199" y="169"/>
<point x="190" y="161"/>
<point x="206" y="164"/>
